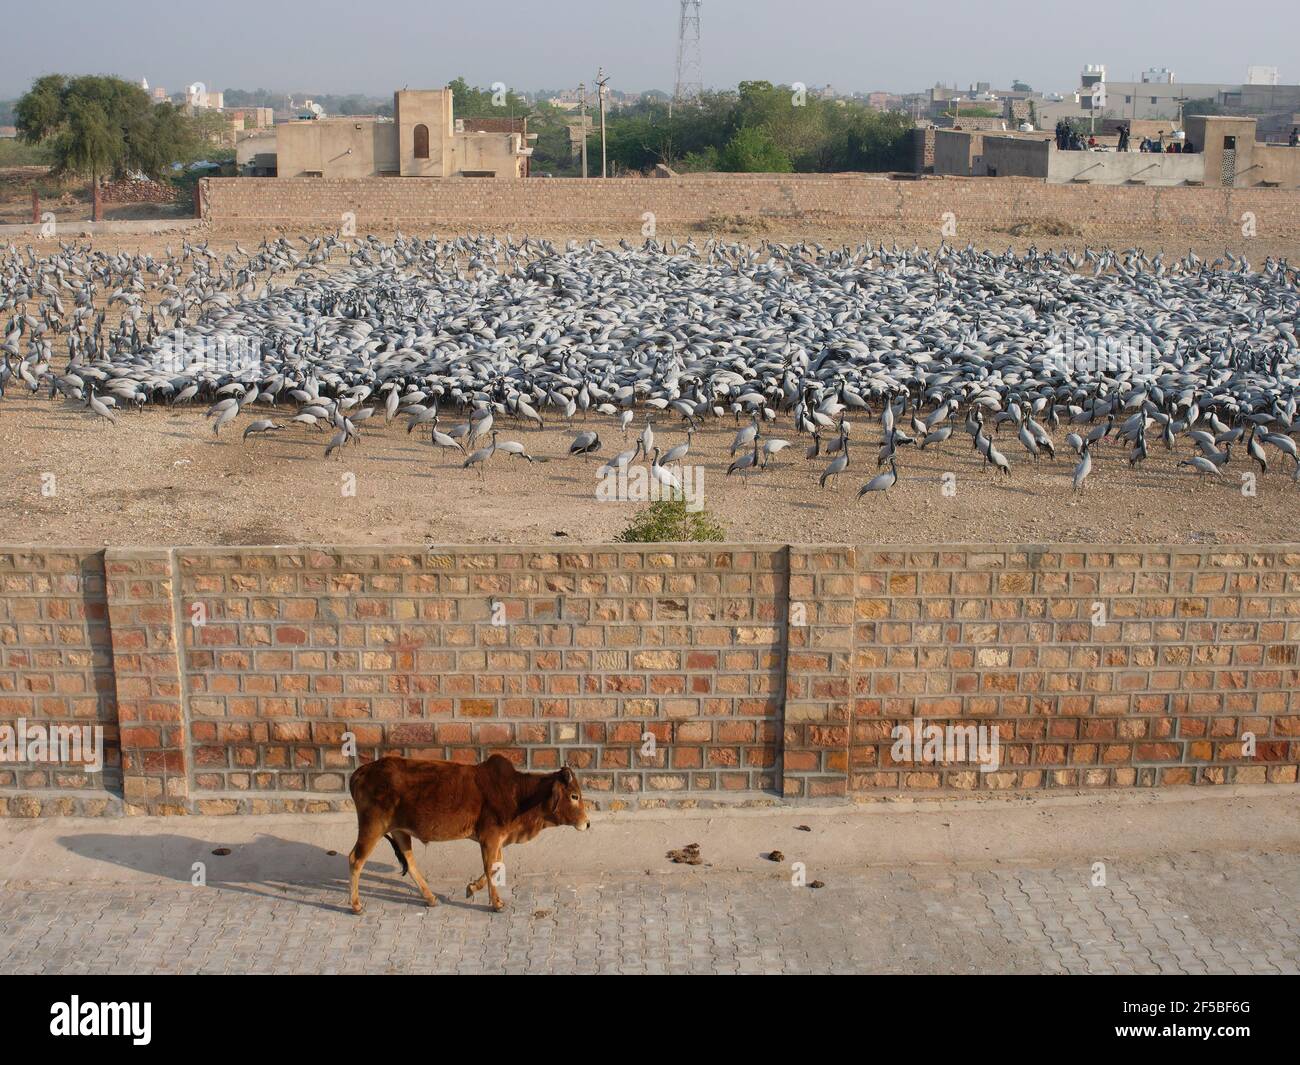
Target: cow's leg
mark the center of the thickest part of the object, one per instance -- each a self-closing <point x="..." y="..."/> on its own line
<point x="491" y="860"/>
<point x="369" y="832"/>
<point x="403" y="842"/>
<point x="482" y="880"/>
<point x="490" y="848"/>
<point x="478" y="885"/>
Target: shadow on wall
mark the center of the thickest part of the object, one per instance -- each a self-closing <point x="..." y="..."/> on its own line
<point x="95" y="603"/>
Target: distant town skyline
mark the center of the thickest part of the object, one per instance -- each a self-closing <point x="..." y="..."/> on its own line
<point x="331" y="48"/>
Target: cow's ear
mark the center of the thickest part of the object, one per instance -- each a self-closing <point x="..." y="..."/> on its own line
<point x="566" y="775"/>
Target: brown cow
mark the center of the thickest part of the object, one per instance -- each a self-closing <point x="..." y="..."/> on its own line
<point x="400" y="798"/>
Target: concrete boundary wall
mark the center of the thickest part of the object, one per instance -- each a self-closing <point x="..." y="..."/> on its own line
<point x="230" y="680"/>
<point x="869" y="201"/>
<point x="1120" y="167"/>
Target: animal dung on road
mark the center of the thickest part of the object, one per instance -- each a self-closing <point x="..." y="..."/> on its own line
<point x="688" y="855"/>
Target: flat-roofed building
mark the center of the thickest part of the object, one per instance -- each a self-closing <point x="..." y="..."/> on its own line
<point x="422" y="139"/>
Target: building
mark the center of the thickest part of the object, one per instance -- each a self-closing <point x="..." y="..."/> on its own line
<point x="1235" y="159"/>
<point x="1160" y="95"/>
<point x="567" y="100"/>
<point x="422" y="139"/>
<point x="1226" y="155"/>
<point x="255" y="153"/>
<point x="157" y="94"/>
<point x="251" y="117"/>
<point x="1091" y="95"/>
<point x="1157" y="76"/>
<point x="197" y="98"/>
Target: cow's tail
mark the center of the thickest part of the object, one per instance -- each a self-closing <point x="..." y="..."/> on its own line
<point x="400" y="856"/>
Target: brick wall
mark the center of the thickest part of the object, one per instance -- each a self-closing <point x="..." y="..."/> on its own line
<point x="56" y="669"/>
<point x="254" y="679"/>
<point x="546" y="656"/>
<point x="857" y="200"/>
<point x="1099" y="666"/>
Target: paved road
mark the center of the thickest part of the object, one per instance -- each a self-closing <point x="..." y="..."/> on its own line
<point x="1228" y="912"/>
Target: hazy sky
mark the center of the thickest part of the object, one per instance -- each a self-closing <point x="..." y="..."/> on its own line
<point x="331" y="46"/>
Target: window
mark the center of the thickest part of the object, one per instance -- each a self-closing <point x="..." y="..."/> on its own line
<point x="422" y="141"/>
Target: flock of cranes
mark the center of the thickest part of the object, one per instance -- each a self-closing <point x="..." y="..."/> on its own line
<point x="463" y="337"/>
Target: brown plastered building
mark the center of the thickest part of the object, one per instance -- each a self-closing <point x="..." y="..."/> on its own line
<point x="423" y="139"/>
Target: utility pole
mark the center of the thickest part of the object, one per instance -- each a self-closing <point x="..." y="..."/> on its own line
<point x="582" y="106"/>
<point x="601" y="79"/>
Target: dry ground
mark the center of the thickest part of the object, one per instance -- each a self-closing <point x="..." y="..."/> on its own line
<point x="1208" y="243"/>
<point x="162" y="477"/>
<point x="69" y="201"/>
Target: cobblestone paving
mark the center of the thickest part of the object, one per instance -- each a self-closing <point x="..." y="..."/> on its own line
<point x="1223" y="913"/>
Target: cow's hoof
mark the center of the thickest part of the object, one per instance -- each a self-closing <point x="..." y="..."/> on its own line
<point x="469" y="891"/>
<point x="431" y="902"/>
<point x="498" y="906"/>
<point x="357" y="908"/>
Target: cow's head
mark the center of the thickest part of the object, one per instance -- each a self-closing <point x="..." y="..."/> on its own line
<point x="565" y="806"/>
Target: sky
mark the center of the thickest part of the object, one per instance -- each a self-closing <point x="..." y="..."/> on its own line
<point x="330" y="46"/>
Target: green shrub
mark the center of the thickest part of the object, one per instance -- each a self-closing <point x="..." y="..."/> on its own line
<point x="14" y="152"/>
<point x="669" y="521"/>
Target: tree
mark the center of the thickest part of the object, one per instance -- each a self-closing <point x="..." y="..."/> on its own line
<point x="752" y="150"/>
<point x="88" y="144"/>
<point x="95" y="125"/>
<point x="212" y="128"/>
<point x="758" y="127"/>
<point x="870" y="140"/>
<point x="553" y="151"/>
<point x="468" y="101"/>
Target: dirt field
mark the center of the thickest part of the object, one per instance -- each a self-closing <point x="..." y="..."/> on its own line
<point x="68" y="201"/>
<point x="1208" y="245"/>
<point x="160" y="477"/>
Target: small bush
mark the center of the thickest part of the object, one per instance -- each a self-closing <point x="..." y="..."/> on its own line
<point x="668" y="521"/>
